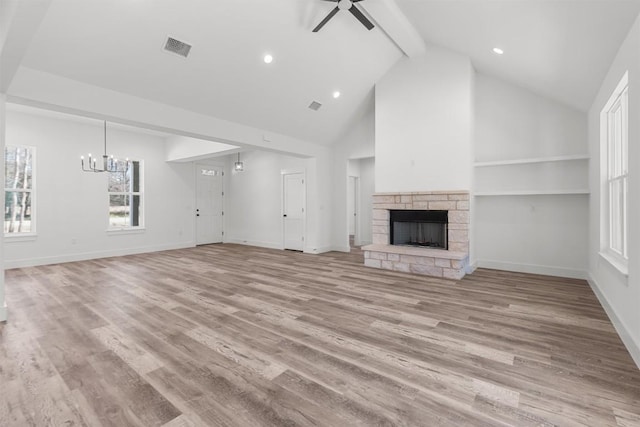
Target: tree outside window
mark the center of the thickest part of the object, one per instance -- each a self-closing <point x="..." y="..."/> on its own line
<point x="125" y="195"/>
<point x="18" y="188"/>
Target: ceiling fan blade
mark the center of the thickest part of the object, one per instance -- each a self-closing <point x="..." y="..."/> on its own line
<point x="325" y="20"/>
<point x="363" y="19"/>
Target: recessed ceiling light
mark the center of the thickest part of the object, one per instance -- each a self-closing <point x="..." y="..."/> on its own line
<point x="268" y="59"/>
<point x="498" y="51"/>
<point x="336" y="94"/>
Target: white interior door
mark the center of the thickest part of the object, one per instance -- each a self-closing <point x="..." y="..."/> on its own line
<point x="293" y="200"/>
<point x="209" y="204"/>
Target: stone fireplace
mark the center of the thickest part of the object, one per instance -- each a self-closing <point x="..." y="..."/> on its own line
<point x="422" y="232"/>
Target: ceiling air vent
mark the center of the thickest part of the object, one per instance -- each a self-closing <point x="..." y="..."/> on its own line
<point x="178" y="47"/>
<point x="315" y="105"/>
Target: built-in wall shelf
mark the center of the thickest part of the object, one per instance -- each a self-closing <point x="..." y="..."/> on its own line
<point x="552" y="175"/>
<point x="532" y="160"/>
<point x="530" y="192"/>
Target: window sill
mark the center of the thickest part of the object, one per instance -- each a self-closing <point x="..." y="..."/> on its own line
<point x="616" y="263"/>
<point x="119" y="231"/>
<point x="21" y="237"/>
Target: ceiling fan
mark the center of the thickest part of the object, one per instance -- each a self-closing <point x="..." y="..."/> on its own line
<point x="351" y="7"/>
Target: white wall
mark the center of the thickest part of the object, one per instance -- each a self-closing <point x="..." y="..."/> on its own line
<point x="358" y="143"/>
<point x="253" y="200"/>
<point x="544" y="234"/>
<point x="183" y="149"/>
<point x="423" y="124"/>
<point x="514" y="123"/>
<point x="72" y="206"/>
<point x="619" y="295"/>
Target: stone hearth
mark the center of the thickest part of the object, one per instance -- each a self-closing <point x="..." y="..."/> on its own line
<point x="451" y="263"/>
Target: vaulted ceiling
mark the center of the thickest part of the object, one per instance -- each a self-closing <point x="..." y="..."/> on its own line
<point x="560" y="49"/>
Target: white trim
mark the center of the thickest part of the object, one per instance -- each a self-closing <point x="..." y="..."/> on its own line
<point x="3" y="313"/>
<point x="33" y="262"/>
<point x="620" y="266"/>
<point x="356" y="209"/>
<point x="126" y="230"/>
<point x="567" y="158"/>
<point x="605" y="174"/>
<point x="545" y="270"/>
<point x="531" y="192"/>
<point x="268" y="245"/>
<point x="623" y="331"/>
<point x="338" y="248"/>
<point x="20" y="237"/>
<point x="620" y="87"/>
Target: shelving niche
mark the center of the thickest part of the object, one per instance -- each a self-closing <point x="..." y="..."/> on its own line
<point x="555" y="175"/>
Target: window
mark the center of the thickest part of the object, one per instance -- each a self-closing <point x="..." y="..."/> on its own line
<point x="18" y="190"/>
<point x="615" y="134"/>
<point x="125" y="195"/>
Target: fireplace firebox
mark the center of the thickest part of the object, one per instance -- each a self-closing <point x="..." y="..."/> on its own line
<point x="419" y="228"/>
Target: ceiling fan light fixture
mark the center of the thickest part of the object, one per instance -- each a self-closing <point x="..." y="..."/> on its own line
<point x="345" y="5"/>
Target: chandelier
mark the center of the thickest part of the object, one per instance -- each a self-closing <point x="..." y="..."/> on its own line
<point x="108" y="164"/>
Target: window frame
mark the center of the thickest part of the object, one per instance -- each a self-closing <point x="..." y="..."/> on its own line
<point x="614" y="172"/>
<point x="26" y="235"/>
<point x="140" y="193"/>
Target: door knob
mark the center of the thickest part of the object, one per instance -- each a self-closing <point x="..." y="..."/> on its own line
<point x="285" y="215"/>
<point x="197" y="214"/>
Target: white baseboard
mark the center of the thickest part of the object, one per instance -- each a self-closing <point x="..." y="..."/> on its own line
<point x="623" y="332"/>
<point x="319" y="250"/>
<point x="341" y="248"/>
<point x="533" y="268"/>
<point x="3" y="312"/>
<point x="268" y="245"/>
<point x="33" y="262"/>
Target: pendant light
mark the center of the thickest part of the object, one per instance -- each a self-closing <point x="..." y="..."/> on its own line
<point x="238" y="166"/>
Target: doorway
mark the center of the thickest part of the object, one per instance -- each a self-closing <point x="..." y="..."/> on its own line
<point x="293" y="210"/>
<point x="209" y="204"/>
<point x="352" y="211"/>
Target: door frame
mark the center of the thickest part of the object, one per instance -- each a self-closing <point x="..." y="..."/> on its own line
<point x="196" y="173"/>
<point x="356" y="209"/>
<point x="283" y="173"/>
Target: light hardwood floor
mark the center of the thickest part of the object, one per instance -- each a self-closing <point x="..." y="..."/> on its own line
<point x="240" y="336"/>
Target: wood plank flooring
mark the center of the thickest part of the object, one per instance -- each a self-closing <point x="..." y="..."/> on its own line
<point x="228" y="335"/>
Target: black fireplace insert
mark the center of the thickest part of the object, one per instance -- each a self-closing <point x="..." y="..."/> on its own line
<point x="419" y="228"/>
